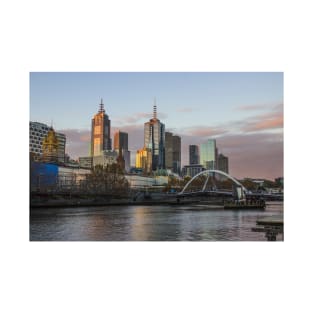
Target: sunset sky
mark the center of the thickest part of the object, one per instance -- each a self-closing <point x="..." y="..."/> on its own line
<point x="243" y="111"/>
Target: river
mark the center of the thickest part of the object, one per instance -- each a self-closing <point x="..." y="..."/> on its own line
<point x="148" y="223"/>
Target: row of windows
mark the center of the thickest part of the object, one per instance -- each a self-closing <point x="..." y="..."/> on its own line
<point x="38" y="130"/>
<point x="36" y="150"/>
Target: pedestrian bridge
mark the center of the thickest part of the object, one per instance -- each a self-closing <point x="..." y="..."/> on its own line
<point x="203" y="179"/>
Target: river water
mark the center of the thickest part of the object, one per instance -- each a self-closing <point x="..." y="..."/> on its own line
<point x="142" y="223"/>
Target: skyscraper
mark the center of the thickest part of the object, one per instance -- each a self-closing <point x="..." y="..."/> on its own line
<point x="223" y="163"/>
<point x="154" y="139"/>
<point x="100" y="132"/>
<point x="172" y="152"/>
<point x="193" y="155"/>
<point x="208" y="154"/>
<point x="121" y="145"/>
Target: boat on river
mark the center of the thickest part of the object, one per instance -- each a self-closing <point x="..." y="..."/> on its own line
<point x="245" y="205"/>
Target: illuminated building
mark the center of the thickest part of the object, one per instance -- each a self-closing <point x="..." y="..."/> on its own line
<point x="154" y="139"/>
<point x="37" y="133"/>
<point x="50" y="147"/>
<point x="208" y="154"/>
<point x="144" y="159"/>
<point x="100" y="132"/>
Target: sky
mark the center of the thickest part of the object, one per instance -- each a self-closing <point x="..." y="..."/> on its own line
<point x="243" y="111"/>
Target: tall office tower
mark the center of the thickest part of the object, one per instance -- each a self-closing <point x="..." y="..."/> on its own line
<point x="100" y="132"/>
<point x="176" y="154"/>
<point x="169" y="151"/>
<point x="50" y="147"/>
<point x="121" y="143"/>
<point x="155" y="140"/>
<point x="208" y="154"/>
<point x="37" y="133"/>
<point x="194" y="157"/>
<point x="223" y="163"/>
<point x="172" y="152"/>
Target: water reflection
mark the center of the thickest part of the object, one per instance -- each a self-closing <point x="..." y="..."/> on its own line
<point x="142" y="223"/>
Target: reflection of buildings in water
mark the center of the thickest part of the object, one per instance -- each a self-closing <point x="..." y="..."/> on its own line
<point x="139" y="229"/>
<point x="154" y="223"/>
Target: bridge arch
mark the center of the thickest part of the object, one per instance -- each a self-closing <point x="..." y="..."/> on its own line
<point x="213" y="171"/>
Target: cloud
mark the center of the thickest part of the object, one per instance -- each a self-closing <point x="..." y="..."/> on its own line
<point x="257" y="107"/>
<point x="204" y="131"/>
<point x="77" y="142"/>
<point x="270" y="120"/>
<point x="137" y="117"/>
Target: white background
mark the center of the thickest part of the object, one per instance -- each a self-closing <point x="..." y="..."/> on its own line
<point x="155" y="36"/>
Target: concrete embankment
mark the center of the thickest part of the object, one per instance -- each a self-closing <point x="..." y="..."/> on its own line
<point x="112" y="202"/>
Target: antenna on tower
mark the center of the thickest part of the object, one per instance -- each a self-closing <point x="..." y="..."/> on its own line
<point x="154" y="109"/>
<point x="101" y="109"/>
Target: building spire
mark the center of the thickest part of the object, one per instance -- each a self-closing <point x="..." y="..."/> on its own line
<point x="154" y="109"/>
<point x="101" y="109"/>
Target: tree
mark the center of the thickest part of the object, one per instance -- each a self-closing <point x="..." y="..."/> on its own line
<point x="109" y="180"/>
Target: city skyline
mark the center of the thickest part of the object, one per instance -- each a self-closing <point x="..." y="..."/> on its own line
<point x="242" y="111"/>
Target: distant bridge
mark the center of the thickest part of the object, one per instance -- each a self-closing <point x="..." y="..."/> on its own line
<point x="238" y="190"/>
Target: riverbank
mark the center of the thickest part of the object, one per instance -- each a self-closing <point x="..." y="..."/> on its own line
<point x="112" y="202"/>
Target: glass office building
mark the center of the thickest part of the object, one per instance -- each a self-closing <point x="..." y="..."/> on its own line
<point x="154" y="139"/>
<point x="208" y="154"/>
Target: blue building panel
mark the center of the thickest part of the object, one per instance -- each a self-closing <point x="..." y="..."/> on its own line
<point x="43" y="174"/>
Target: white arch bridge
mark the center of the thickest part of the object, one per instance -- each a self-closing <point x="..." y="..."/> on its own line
<point x="239" y="191"/>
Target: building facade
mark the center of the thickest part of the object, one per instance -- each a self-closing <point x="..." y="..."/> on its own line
<point x="105" y="158"/>
<point x="192" y="170"/>
<point x="194" y="157"/>
<point x="154" y="139"/>
<point x="100" y="132"/>
<point x="223" y="163"/>
<point x="173" y="152"/>
<point x="176" y="154"/>
<point x="208" y="154"/>
<point x="37" y="133"/>
<point x="144" y="160"/>
<point x="86" y="162"/>
<point x="121" y="143"/>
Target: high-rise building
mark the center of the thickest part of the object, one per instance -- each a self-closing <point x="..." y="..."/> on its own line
<point x="194" y="157"/>
<point x="208" y="154"/>
<point x="37" y="133"/>
<point x="169" y="151"/>
<point x="121" y="143"/>
<point x="100" y="132"/>
<point x="144" y="159"/>
<point x="154" y="139"/>
<point x="172" y="152"/>
<point x="176" y="154"/>
<point x="223" y="163"/>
